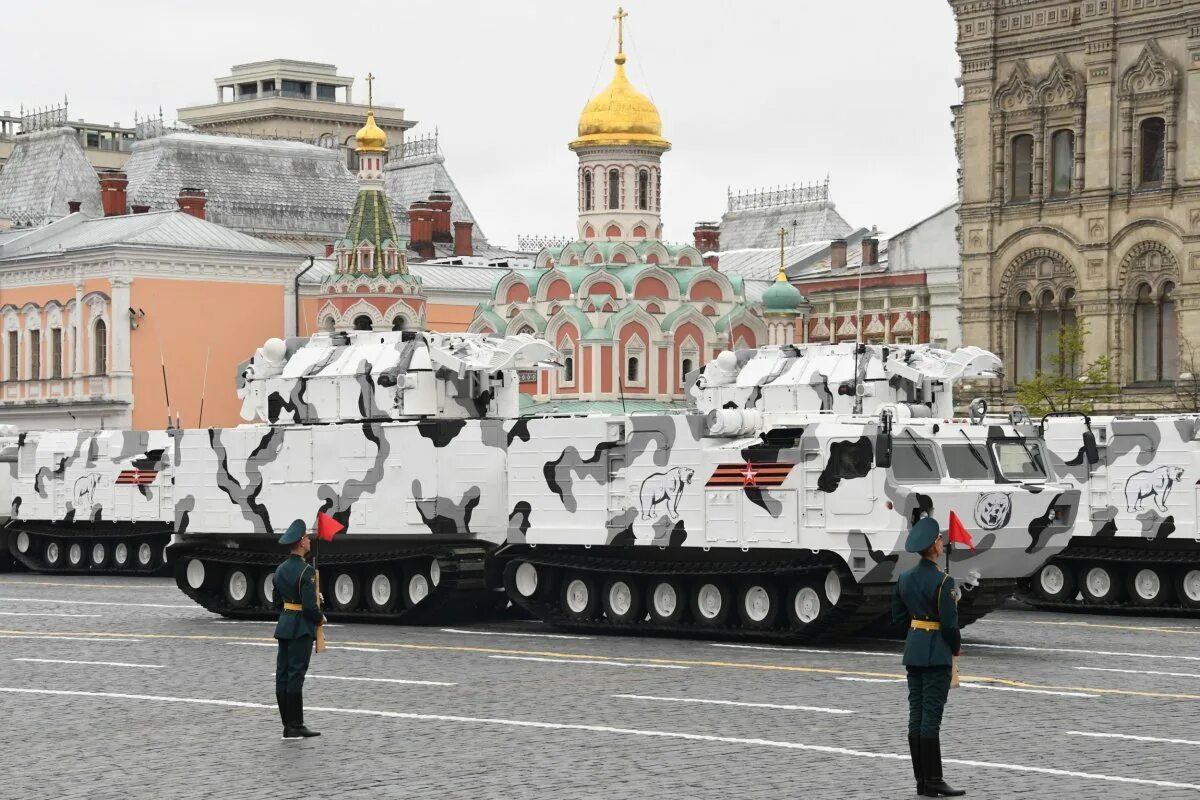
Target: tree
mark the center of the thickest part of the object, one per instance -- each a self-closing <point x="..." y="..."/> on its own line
<point x="1064" y="388"/>
<point x="1187" y="385"/>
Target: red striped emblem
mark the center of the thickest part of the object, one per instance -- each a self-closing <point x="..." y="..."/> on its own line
<point x="742" y="475"/>
<point x="136" y="477"/>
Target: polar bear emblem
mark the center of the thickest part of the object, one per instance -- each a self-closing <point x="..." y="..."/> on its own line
<point x="85" y="489"/>
<point x="1151" y="483"/>
<point x="666" y="488"/>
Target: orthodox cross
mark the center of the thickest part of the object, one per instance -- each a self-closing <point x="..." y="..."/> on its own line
<point x="370" y="90"/>
<point x="620" y="18"/>
<point x="782" y="237"/>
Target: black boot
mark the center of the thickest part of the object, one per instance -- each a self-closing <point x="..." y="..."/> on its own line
<point x="298" y="717"/>
<point x="931" y="759"/>
<point x="914" y="750"/>
<point x="288" y="705"/>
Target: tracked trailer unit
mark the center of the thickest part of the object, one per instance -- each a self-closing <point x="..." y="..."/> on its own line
<point x="1136" y="544"/>
<point x="781" y="507"/>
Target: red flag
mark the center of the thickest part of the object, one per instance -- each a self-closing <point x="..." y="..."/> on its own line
<point x="327" y="526"/>
<point x="958" y="532"/>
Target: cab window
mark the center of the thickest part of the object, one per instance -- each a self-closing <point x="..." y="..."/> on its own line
<point x="1020" y="461"/>
<point x="967" y="462"/>
<point x="913" y="462"/>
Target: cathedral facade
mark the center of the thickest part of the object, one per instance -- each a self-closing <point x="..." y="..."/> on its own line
<point x="1079" y="146"/>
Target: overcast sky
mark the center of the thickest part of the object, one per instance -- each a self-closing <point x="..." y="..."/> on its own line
<point x="752" y="94"/>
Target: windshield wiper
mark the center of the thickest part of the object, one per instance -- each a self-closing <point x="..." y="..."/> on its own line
<point x="974" y="451"/>
<point x="1035" y="460"/>
<point x="917" y="449"/>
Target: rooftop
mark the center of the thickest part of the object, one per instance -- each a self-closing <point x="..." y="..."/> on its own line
<point x="47" y="170"/>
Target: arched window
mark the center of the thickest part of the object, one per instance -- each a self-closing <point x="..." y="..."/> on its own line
<point x="327" y="324"/>
<point x="100" y="348"/>
<point x="362" y="323"/>
<point x="633" y="370"/>
<point x="1155" y="334"/>
<point x="1152" y="150"/>
<point x="398" y="323"/>
<point x="685" y="367"/>
<point x="643" y="189"/>
<point x="1036" y="336"/>
<point x="35" y="355"/>
<point x="1062" y="163"/>
<point x="1022" y="167"/>
<point x="568" y="370"/>
<point x="526" y="329"/>
<point x="614" y="189"/>
<point x="587" y="190"/>
<point x="14" y="356"/>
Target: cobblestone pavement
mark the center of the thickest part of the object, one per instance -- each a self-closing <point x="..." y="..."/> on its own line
<point x="115" y="687"/>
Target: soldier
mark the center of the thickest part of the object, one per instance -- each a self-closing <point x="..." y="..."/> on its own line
<point x="924" y="597"/>
<point x="296" y="592"/>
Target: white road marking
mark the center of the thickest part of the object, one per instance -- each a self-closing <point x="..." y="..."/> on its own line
<point x="605" y="663"/>
<point x="91" y="663"/>
<point x="1130" y="738"/>
<point x="1143" y="672"/>
<point x="807" y="650"/>
<point x="93" y="603"/>
<point x="733" y="703"/>
<point x="382" y="680"/>
<point x="604" y="729"/>
<point x="327" y="647"/>
<point x="874" y="680"/>
<point x="51" y="638"/>
<point x="259" y="622"/>
<point x="1080" y="652"/>
<point x="254" y="644"/>
<point x="42" y="614"/>
<point x="1026" y="691"/>
<point x="507" y="633"/>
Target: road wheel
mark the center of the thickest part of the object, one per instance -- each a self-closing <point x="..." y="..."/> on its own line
<point x="667" y="601"/>
<point x="579" y="597"/>
<point x="383" y="591"/>
<point x="758" y="605"/>
<point x="196" y="574"/>
<point x="347" y="591"/>
<point x="24" y="542"/>
<point x="807" y="604"/>
<point x="623" y="600"/>
<point x="1148" y="585"/>
<point x="1100" y="584"/>
<point x="417" y="584"/>
<point x="525" y="579"/>
<point x="75" y="554"/>
<point x="1187" y="587"/>
<point x="712" y="602"/>
<point x="100" y="553"/>
<point x="55" y="557"/>
<point x="1055" y="582"/>
<point x="145" y="555"/>
<point x="121" y="555"/>
<point x="239" y="587"/>
<point x="266" y="589"/>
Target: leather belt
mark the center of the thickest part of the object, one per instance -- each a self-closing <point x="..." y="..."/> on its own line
<point x="919" y="624"/>
<point x="292" y="607"/>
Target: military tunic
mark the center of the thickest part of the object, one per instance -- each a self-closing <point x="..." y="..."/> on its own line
<point x="295" y="583"/>
<point x="926" y="593"/>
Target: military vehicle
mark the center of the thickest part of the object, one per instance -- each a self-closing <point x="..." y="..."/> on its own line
<point x="1136" y="544"/>
<point x="8" y="476"/>
<point x="782" y="507"/>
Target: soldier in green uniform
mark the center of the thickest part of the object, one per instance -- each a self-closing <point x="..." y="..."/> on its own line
<point x="924" y="598"/>
<point x="296" y="596"/>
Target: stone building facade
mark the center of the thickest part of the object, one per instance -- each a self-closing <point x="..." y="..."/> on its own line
<point x="1079" y="146"/>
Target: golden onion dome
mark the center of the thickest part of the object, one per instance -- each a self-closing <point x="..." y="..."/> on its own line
<point x="370" y="137"/>
<point x="620" y="115"/>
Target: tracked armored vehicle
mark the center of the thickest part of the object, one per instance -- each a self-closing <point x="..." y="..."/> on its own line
<point x="400" y="436"/>
<point x="781" y="508"/>
<point x="91" y="501"/>
<point x="8" y="476"/>
<point x="1136" y="544"/>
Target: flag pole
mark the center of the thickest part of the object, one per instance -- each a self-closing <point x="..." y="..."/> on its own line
<point x="320" y="639"/>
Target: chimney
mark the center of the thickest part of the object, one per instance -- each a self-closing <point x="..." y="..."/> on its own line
<point x="462" y="238"/>
<point x="328" y="250"/>
<point x="113" y="185"/>
<point x="707" y="238"/>
<point x="441" y="201"/>
<point x="139" y="209"/>
<point x="870" y="246"/>
<point x="192" y="201"/>
<point x="73" y="206"/>
<point x="420" y="235"/>
<point x="837" y="254"/>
